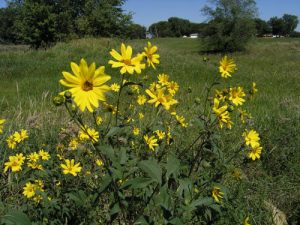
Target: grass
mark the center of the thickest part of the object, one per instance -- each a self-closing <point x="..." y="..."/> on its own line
<point x="29" y="80"/>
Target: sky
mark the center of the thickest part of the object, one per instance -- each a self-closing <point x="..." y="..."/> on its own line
<point x="146" y="12"/>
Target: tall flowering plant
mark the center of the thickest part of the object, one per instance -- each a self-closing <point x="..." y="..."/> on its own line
<point x="129" y="155"/>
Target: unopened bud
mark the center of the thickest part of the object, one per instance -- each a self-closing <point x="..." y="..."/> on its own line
<point x="68" y="95"/>
<point x="197" y="101"/>
<point x="58" y="100"/>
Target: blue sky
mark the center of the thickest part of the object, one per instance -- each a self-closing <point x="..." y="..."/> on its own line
<point x="147" y="12"/>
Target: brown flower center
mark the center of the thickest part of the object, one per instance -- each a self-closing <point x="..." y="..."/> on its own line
<point x="127" y="62"/>
<point x="87" y="86"/>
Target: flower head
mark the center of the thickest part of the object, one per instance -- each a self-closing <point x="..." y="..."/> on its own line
<point x="236" y="95"/>
<point x="70" y="167"/>
<point x="150" y="141"/>
<point x="89" y="134"/>
<point x="141" y="99"/>
<point x="255" y="152"/>
<point x="15" y="163"/>
<point x="149" y="52"/>
<point x="136" y="131"/>
<point x="11" y="143"/>
<point x="227" y="66"/>
<point x="217" y="194"/>
<point x="160" y="134"/>
<point x="246" y="221"/>
<point x="44" y="155"/>
<point x="125" y="60"/>
<point x="251" y="138"/>
<point x="115" y="87"/>
<point x="87" y="85"/>
<point x="222" y="114"/>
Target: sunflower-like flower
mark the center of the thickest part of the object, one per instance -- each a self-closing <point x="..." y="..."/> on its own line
<point x="70" y="167"/>
<point x="217" y="194"/>
<point x="251" y="138"/>
<point x="152" y="58"/>
<point x="87" y="85"/>
<point x="255" y="152"/>
<point x="236" y="95"/>
<point x="222" y="114"/>
<point x="151" y="141"/>
<point x="125" y="60"/>
<point x="15" y="163"/>
<point x="227" y="67"/>
<point x="158" y="97"/>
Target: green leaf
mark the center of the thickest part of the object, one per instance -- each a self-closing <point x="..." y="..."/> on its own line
<point x="106" y="181"/>
<point x="173" y="166"/>
<point x="176" y="221"/>
<point x="16" y="218"/>
<point x="141" y="221"/>
<point x="152" y="168"/>
<point x="206" y="201"/>
<point x="139" y="182"/>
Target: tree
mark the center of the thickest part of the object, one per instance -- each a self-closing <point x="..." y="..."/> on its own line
<point x="231" y="25"/>
<point x="136" y="31"/>
<point x="277" y="25"/>
<point x="290" y="23"/>
<point x="262" y="27"/>
<point x="161" y="29"/>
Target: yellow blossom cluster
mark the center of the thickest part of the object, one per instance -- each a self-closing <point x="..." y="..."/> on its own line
<point x="31" y="190"/>
<point x="16" y="138"/>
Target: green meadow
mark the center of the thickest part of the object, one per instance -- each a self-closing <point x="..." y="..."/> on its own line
<point x="29" y="80"/>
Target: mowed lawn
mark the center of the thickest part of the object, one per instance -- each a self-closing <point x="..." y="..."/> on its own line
<point x="29" y="80"/>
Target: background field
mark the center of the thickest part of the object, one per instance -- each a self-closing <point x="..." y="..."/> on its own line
<point x="29" y="79"/>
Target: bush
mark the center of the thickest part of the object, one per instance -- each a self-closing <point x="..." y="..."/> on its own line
<point x="128" y="155"/>
<point x="231" y="25"/>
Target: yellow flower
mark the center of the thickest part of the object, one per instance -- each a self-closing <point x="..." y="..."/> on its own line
<point x="154" y="86"/>
<point x="150" y="141"/>
<point x="163" y="79"/>
<point x="135" y="88"/>
<point x="222" y="114"/>
<point x="34" y="165"/>
<point x="2" y="121"/>
<point x="217" y="194"/>
<point x="227" y="66"/>
<point x="251" y="138"/>
<point x="136" y="131"/>
<point x="159" y="98"/>
<point x="44" y="155"/>
<point x="33" y="157"/>
<point x="20" y="136"/>
<point x="141" y="116"/>
<point x="255" y="152"/>
<point x="221" y="95"/>
<point x="152" y="58"/>
<point x="73" y="144"/>
<point x="99" y="162"/>
<point x="124" y="60"/>
<point x="70" y="167"/>
<point x="246" y="221"/>
<point x="15" y="163"/>
<point x="29" y="190"/>
<point x="11" y="143"/>
<point x="160" y="134"/>
<point x="181" y="121"/>
<point x="87" y="85"/>
<point x="173" y="87"/>
<point x="236" y="95"/>
<point x="99" y="120"/>
<point x="115" y="87"/>
<point x="89" y="134"/>
<point x="141" y="99"/>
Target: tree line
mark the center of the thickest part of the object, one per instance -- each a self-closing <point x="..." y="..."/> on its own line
<point x="40" y="23"/>
<point x="178" y="27"/>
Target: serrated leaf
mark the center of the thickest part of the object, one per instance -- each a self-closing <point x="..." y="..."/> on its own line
<point x="152" y="168"/>
<point x="206" y="201"/>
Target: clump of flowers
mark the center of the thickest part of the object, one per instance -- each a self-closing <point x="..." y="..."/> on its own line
<point x="132" y="144"/>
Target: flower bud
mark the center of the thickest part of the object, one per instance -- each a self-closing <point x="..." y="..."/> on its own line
<point x="58" y="100"/>
<point x="197" y="101"/>
<point x="68" y="95"/>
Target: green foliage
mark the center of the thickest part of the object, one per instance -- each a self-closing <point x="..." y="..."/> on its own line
<point x="262" y="27"/>
<point x="42" y="23"/>
<point x="285" y="25"/>
<point x="136" y="31"/>
<point x="231" y="25"/>
<point x="175" y="27"/>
